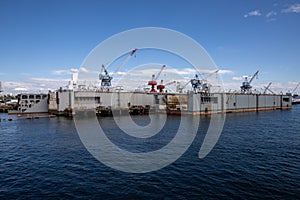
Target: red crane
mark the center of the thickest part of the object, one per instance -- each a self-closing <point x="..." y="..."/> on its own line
<point x="153" y="82"/>
<point x="162" y="86"/>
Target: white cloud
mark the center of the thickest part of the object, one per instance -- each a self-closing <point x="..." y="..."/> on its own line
<point x="70" y="71"/>
<point x="209" y="71"/>
<point x="48" y="80"/>
<point x="129" y="79"/>
<point x="33" y="85"/>
<point x="20" y="89"/>
<point x="224" y="71"/>
<point x="237" y="78"/>
<point x="185" y="71"/>
<point x="271" y="13"/>
<point x="139" y="77"/>
<point x="253" y="13"/>
<point x="293" y="83"/>
<point x="61" y="72"/>
<point x="84" y="70"/>
<point x="276" y="87"/>
<point x="295" y="8"/>
<point x="121" y="73"/>
<point x="147" y="73"/>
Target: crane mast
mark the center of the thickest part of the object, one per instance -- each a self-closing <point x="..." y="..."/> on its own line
<point x="196" y="83"/>
<point x="106" y="78"/>
<point x="246" y="85"/>
<point x="153" y="82"/>
<point x="202" y="85"/>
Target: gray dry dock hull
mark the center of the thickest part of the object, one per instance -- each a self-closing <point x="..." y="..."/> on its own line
<point x="68" y="101"/>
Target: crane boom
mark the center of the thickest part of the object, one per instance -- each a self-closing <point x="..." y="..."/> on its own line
<point x="106" y="78"/>
<point x="180" y="88"/>
<point x="186" y="84"/>
<point x="253" y="77"/>
<point x="267" y="88"/>
<point x="209" y="75"/>
<point x="270" y="91"/>
<point x="104" y="69"/>
<point x="125" y="61"/>
<point x="158" y="74"/>
<point x="170" y="83"/>
<point x="296" y="87"/>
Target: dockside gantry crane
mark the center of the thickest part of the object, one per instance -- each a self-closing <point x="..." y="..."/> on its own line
<point x="246" y="85"/>
<point x="162" y="86"/>
<point x="106" y="77"/>
<point x="202" y="85"/>
<point x="153" y="82"/>
<point x="196" y="83"/>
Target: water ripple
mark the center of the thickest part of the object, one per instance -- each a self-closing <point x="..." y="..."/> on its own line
<point x="257" y="156"/>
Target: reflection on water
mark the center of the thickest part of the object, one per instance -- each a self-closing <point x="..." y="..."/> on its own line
<point x="257" y="155"/>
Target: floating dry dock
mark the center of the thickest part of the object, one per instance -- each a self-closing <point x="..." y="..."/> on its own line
<point x="108" y="100"/>
<point x="66" y="102"/>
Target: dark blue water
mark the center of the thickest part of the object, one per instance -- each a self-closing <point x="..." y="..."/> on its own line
<point x="257" y="156"/>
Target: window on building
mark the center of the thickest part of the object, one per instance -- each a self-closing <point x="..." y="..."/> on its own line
<point x="209" y="99"/>
<point x="286" y="99"/>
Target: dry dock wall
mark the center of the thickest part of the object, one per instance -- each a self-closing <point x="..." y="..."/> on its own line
<point x="32" y="103"/>
<point x="233" y="102"/>
<point x="68" y="99"/>
<point x="125" y="99"/>
<point x="205" y="102"/>
<point x="202" y="103"/>
<point x="249" y="102"/>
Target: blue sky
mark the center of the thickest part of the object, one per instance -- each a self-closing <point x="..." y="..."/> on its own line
<point x="40" y="41"/>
